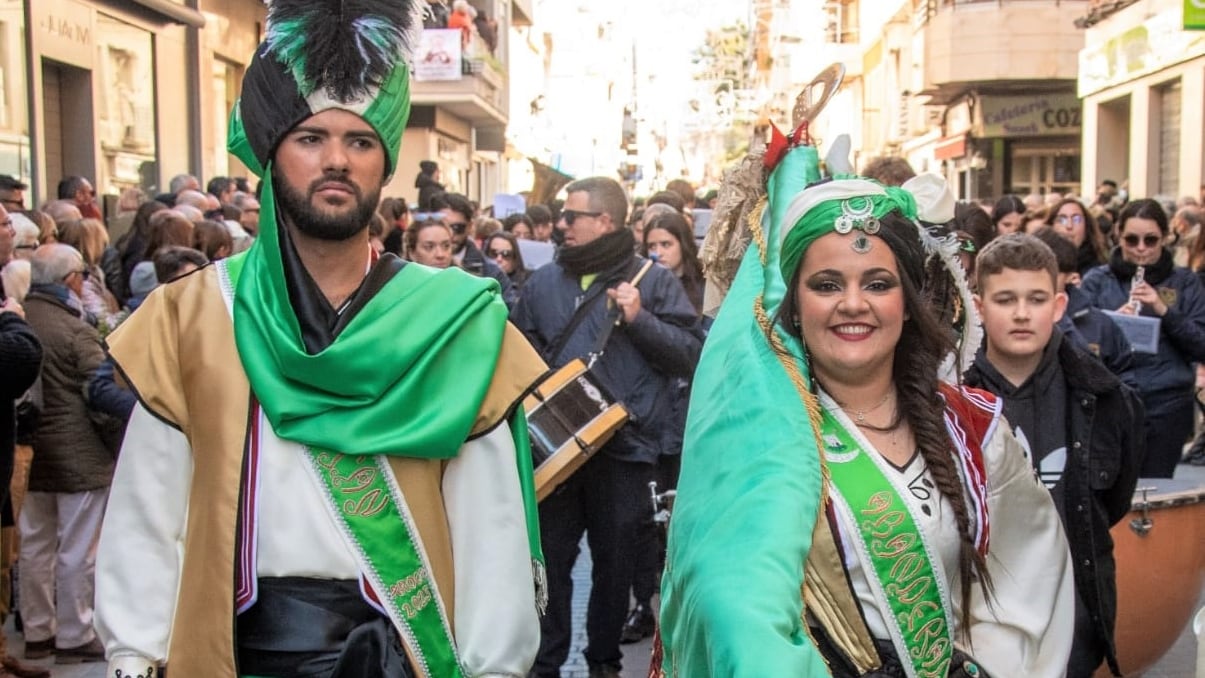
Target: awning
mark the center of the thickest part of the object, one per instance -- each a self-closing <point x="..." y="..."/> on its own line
<point x="950" y="148"/>
<point x="177" y="13"/>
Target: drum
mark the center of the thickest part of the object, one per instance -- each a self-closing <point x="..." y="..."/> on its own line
<point x="1160" y="552"/>
<point x="570" y="416"/>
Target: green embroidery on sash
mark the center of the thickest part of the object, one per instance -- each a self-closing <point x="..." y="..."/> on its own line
<point x="373" y="518"/>
<point x="895" y="546"/>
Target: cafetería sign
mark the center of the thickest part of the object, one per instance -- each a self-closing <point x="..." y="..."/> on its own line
<point x="1030" y="115"/>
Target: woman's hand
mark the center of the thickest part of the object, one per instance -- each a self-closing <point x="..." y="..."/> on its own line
<point x="1149" y="297"/>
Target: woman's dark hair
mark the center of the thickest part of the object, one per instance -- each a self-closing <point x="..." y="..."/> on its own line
<point x="170" y="259"/>
<point x="1143" y="209"/>
<point x="508" y="223"/>
<point x="1009" y="204"/>
<point x="520" y="267"/>
<point x="924" y="343"/>
<point x="140" y="228"/>
<point x="417" y="227"/>
<point x="1093" y="238"/>
<point x="167" y="228"/>
<point x="209" y="237"/>
<point x="692" y="271"/>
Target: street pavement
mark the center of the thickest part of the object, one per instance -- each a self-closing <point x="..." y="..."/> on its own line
<point x="1179" y="662"/>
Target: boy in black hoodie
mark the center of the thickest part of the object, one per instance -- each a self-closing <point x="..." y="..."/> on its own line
<point x="1081" y="426"/>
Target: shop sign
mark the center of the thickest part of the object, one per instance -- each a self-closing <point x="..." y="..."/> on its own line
<point x="65" y="31"/>
<point x="1194" y="15"/>
<point x="1034" y="115"/>
<point x="438" y="55"/>
<point x="1154" y="44"/>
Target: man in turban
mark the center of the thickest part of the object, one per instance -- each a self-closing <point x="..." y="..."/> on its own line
<point x="327" y="473"/>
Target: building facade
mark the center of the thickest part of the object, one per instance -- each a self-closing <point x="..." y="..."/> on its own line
<point x="1142" y="79"/>
<point x="981" y="91"/>
<point x="461" y="104"/>
<point x="120" y="92"/>
<point x="129" y="93"/>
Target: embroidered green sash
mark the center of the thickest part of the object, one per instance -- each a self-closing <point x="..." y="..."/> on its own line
<point x="901" y="567"/>
<point x="369" y="509"/>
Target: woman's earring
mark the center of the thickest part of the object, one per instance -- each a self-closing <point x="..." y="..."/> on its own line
<point x="795" y="321"/>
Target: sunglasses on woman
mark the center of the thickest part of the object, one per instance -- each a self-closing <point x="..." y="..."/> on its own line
<point x="1149" y="240"/>
<point x="505" y="254"/>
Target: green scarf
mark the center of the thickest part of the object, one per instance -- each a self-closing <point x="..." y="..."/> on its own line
<point x="751" y="483"/>
<point x="405" y="377"/>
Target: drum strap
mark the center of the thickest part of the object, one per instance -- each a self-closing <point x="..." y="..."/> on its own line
<point x="583" y="308"/>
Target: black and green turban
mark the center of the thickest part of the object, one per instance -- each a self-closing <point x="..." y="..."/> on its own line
<point x="324" y="54"/>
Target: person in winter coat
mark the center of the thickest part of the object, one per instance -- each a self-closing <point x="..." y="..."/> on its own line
<point x="427" y="183"/>
<point x="71" y="472"/>
<point x="1175" y="296"/>
<point x="563" y="309"/>
<point x="1079" y="424"/>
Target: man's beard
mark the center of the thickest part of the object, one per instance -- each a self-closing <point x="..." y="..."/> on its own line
<point x="300" y="211"/>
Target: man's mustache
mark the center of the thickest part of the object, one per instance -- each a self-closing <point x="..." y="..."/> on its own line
<point x="335" y="179"/>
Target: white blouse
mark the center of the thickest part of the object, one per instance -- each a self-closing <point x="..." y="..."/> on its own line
<point x="1027" y="628"/>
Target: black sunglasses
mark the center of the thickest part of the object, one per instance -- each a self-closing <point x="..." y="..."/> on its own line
<point x="458" y="227"/>
<point x="571" y="216"/>
<point x="505" y="254"/>
<point x="1150" y="240"/>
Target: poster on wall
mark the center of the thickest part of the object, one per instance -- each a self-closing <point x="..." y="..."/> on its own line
<point x="438" y="55"/>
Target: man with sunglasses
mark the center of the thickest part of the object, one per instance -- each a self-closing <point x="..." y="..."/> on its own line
<point x="458" y="213"/>
<point x="79" y="190"/>
<point x="654" y="338"/>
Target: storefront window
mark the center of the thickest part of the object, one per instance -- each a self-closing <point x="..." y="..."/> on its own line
<point x="15" y="156"/>
<point x="125" y="107"/>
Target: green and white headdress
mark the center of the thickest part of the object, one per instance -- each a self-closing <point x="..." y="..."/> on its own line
<point x="324" y="54"/>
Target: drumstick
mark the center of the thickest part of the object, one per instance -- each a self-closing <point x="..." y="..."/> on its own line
<point x="640" y="274"/>
<point x="635" y="283"/>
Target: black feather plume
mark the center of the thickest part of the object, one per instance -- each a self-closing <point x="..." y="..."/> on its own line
<point x="345" y="47"/>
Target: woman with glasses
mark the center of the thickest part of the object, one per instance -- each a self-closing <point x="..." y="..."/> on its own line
<point x="1174" y="296"/>
<point x="1072" y="221"/>
<point x="429" y="242"/>
<point x="503" y="248"/>
<point x="90" y="238"/>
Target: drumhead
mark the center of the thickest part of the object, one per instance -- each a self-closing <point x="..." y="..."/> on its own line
<point x="1168" y="492"/>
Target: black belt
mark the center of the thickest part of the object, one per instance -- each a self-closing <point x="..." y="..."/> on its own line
<point x="317" y="628"/>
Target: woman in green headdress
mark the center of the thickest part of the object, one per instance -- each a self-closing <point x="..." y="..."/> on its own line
<point x="841" y="511"/>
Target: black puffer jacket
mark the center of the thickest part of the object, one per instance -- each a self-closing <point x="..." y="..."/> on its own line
<point x="20" y="363"/>
<point x="1105" y="447"/>
<point x="643" y="360"/>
